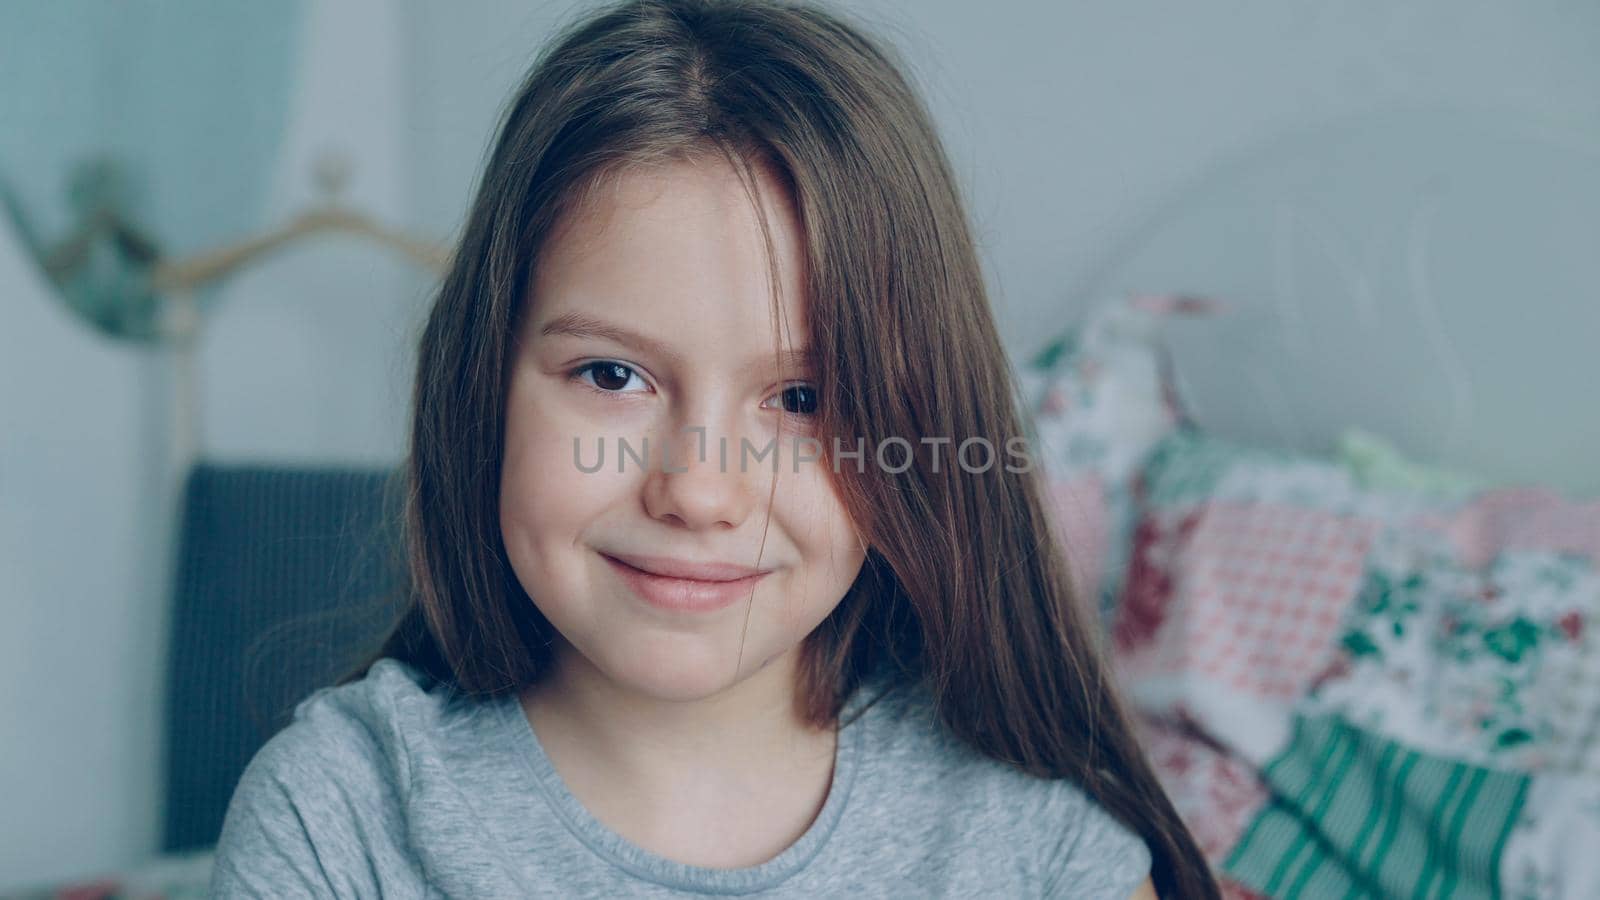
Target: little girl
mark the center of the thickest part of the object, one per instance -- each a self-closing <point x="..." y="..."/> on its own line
<point x="729" y="571"/>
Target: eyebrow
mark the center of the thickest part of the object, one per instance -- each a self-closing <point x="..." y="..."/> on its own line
<point x="581" y="325"/>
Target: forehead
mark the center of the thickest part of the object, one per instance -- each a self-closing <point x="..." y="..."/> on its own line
<point x="676" y="250"/>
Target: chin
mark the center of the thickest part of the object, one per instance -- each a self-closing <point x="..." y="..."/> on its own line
<point x="677" y="667"/>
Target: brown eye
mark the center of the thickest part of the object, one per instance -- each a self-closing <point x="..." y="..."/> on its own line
<point x="799" y="399"/>
<point x="611" y="377"/>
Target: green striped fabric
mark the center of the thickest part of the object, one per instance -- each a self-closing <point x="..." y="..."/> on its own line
<point x="1354" y="815"/>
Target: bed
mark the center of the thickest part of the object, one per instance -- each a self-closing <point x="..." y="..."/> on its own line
<point x="1321" y="449"/>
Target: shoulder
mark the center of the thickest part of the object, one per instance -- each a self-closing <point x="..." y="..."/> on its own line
<point x="1097" y="855"/>
<point x="319" y="793"/>
<point x="360" y="727"/>
<point x="1073" y="845"/>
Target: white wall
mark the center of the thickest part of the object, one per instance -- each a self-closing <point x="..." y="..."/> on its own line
<point x="1072" y="125"/>
<point x="80" y="550"/>
<point x="306" y="357"/>
<point x="1068" y="121"/>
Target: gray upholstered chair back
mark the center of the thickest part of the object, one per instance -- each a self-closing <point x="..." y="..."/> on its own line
<point x="286" y="577"/>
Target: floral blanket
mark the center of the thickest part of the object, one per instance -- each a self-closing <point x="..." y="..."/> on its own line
<point x="1353" y="684"/>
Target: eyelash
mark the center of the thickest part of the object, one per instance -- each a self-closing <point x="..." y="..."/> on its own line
<point x="578" y="374"/>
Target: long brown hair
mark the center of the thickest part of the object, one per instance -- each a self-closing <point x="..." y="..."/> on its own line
<point x="964" y="586"/>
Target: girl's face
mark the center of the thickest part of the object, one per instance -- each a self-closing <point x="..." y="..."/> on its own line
<point x="651" y="319"/>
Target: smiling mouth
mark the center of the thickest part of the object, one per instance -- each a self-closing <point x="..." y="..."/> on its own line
<point x="683" y="569"/>
<point x="720" y="586"/>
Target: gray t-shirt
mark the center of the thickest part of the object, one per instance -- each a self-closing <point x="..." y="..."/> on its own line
<point x="394" y="786"/>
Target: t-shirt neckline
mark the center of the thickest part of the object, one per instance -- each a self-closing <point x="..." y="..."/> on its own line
<point x="655" y="868"/>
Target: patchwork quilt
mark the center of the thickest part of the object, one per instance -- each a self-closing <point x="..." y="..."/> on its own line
<point x="1354" y="681"/>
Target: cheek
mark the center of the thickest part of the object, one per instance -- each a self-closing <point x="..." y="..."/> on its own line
<point x="818" y="523"/>
<point x="546" y="501"/>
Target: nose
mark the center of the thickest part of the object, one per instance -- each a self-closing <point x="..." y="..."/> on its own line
<point x="696" y="486"/>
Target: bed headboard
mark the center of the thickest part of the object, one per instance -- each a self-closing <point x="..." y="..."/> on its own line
<point x="1431" y="275"/>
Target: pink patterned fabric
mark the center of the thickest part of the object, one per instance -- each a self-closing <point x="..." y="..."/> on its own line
<point x="1079" y="506"/>
<point x="1248" y="596"/>
<point x="1520" y="518"/>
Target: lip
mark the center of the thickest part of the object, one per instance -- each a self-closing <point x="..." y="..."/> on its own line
<point x="682" y="586"/>
<point x="671" y="567"/>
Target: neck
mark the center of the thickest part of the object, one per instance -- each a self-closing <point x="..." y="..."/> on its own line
<point x="749" y="731"/>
